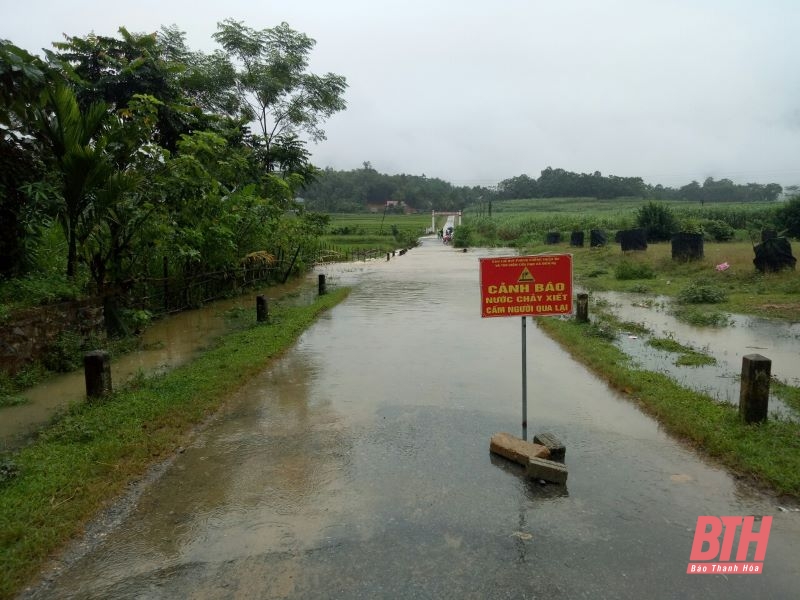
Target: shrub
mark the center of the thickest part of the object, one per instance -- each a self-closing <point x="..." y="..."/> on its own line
<point x="64" y="355"/>
<point x="702" y="293"/>
<point x="463" y="236"/>
<point x="658" y="221"/>
<point x="691" y="226"/>
<point x="788" y="217"/>
<point x="719" y="231"/>
<point x="701" y="318"/>
<point x="627" y="270"/>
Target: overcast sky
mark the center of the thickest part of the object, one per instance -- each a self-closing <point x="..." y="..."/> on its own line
<point x="478" y="91"/>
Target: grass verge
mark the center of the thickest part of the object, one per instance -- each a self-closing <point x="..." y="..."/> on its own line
<point x="768" y="453"/>
<point x="50" y="489"/>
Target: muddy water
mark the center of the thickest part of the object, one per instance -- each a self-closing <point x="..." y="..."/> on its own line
<point x="777" y="340"/>
<point x="357" y="466"/>
<point x="166" y="344"/>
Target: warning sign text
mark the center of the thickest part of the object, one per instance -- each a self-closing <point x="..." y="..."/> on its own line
<point x="518" y="286"/>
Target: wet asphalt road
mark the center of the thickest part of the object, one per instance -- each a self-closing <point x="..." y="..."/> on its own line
<point x="357" y="466"/>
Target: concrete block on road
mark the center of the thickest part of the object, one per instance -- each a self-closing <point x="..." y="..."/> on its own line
<point x="541" y="468"/>
<point x="552" y="443"/>
<point x="516" y="449"/>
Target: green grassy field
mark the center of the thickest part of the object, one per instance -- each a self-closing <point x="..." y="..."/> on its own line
<point x="375" y="231"/>
<point x="519" y="222"/>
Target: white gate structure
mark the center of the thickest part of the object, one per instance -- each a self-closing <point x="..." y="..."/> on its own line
<point x="455" y="221"/>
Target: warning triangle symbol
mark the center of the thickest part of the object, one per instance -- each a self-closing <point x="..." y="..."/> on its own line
<point x="525" y="276"/>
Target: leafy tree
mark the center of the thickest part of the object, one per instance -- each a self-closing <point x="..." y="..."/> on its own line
<point x="22" y="79"/>
<point x="119" y="219"/>
<point x="116" y="70"/>
<point x="272" y="85"/>
<point x="76" y="146"/>
<point x="518" y="187"/>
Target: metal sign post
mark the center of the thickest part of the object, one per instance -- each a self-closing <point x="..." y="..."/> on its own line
<point x="526" y="286"/>
<point x="524" y="382"/>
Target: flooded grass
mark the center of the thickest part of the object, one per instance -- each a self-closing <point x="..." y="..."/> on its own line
<point x="790" y="394"/>
<point x="53" y="486"/>
<point x="768" y="453"/>
<point x="701" y="316"/>
<point x="12" y="385"/>
<point x="12" y="400"/>
<point x="688" y="357"/>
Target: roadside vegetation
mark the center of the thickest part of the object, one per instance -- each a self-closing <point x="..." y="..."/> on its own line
<point x="49" y="489"/>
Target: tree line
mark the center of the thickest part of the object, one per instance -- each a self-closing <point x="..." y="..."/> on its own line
<point x="354" y="190"/>
<point x="559" y="183"/>
<point x="118" y="154"/>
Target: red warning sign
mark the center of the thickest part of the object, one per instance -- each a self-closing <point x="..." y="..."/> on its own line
<point x="526" y="286"/>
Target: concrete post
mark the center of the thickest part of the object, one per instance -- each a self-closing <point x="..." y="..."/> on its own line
<point x="97" y="371"/>
<point x="262" y="309"/>
<point x="754" y="391"/>
<point x="388" y="256"/>
<point x="582" y="314"/>
<point x="322" y="290"/>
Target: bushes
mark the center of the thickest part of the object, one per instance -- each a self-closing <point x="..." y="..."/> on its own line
<point x="788" y="217"/>
<point x="464" y="236"/>
<point x="718" y="231"/>
<point x="702" y="293"/>
<point x="658" y="221"/>
<point x="64" y="355"/>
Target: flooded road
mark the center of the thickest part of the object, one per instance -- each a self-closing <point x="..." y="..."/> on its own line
<point x="357" y="466"/>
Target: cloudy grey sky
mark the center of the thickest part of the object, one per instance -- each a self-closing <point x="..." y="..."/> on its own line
<point x="478" y="91"/>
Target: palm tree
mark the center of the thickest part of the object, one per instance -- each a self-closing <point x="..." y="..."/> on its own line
<point x="76" y="144"/>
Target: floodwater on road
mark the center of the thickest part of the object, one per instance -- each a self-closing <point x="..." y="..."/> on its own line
<point x="166" y="344"/>
<point x="357" y="466"/>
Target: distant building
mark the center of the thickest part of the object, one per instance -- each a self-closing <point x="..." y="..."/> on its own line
<point x="393" y="205"/>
